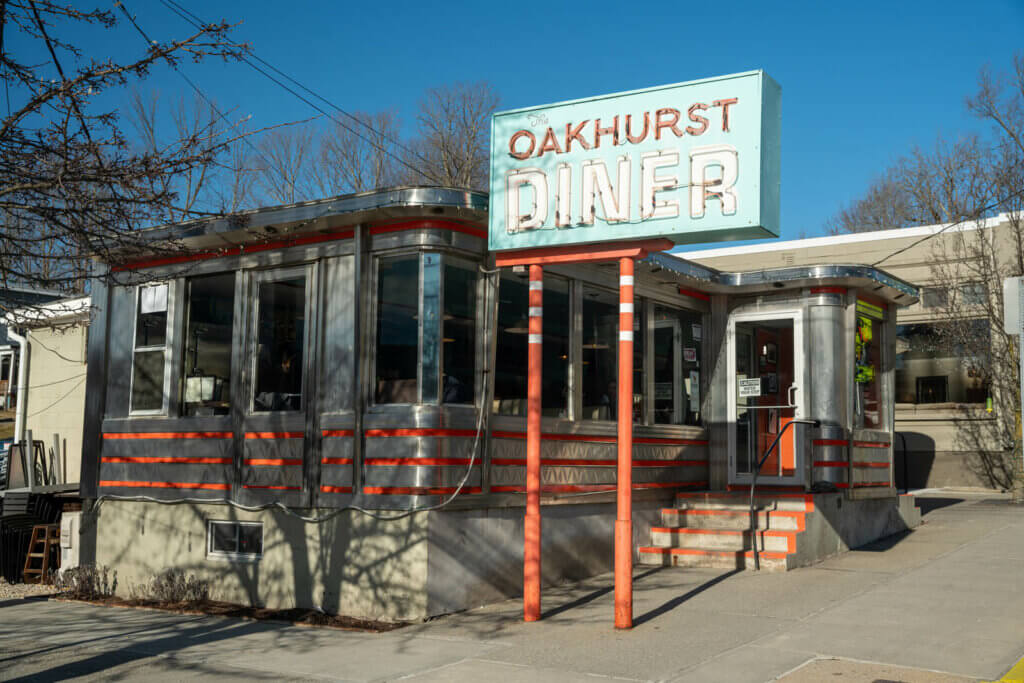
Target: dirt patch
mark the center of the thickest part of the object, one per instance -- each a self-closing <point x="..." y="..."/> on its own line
<point x="297" y="616"/>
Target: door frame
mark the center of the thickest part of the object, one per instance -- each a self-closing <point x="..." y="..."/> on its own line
<point x="800" y="403"/>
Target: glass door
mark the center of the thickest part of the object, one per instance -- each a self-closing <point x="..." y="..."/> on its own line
<point x="766" y="369"/>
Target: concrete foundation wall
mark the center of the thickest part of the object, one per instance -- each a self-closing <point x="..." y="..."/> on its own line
<point x="839" y="524"/>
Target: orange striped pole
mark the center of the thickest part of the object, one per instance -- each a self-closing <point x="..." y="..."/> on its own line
<point x="531" y="531"/>
<point x="624" y="514"/>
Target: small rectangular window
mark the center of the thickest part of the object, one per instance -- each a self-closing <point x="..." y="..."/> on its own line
<point x="147" y="395"/>
<point x="973" y="294"/>
<point x="235" y="540"/>
<point x="208" y="339"/>
<point x="934" y="297"/>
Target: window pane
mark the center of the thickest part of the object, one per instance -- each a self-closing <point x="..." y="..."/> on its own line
<point x="280" y="339"/>
<point x="934" y="297"/>
<point x="250" y="539"/>
<point x="151" y="321"/>
<point x="512" y="354"/>
<point x="600" y="351"/>
<point x="148" y="380"/>
<point x="677" y="354"/>
<point x="397" y="329"/>
<point x="931" y="367"/>
<point x="868" y="367"/>
<point x="459" y="333"/>
<point x="431" y="326"/>
<point x="208" y="337"/>
<point x="223" y="538"/>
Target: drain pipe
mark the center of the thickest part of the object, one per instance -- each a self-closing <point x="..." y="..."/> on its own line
<point x="19" y="397"/>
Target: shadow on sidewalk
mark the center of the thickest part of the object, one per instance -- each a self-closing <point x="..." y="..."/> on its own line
<point x="594" y="595"/>
<point x="679" y="600"/>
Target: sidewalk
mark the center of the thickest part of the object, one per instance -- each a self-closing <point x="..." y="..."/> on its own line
<point x="947" y="598"/>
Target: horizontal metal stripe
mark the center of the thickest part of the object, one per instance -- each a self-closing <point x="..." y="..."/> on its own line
<point x="586" y="488"/>
<point x="431" y="224"/>
<point x="143" y="460"/>
<point x="870" y="444"/>
<point x="416" y="490"/>
<point x="374" y="433"/>
<point x="871" y="464"/>
<point x="419" y="462"/>
<point x="336" y="461"/>
<point x="830" y="442"/>
<point x="828" y="290"/>
<point x="274" y="435"/>
<point x="273" y="488"/>
<point x="338" y="432"/>
<point x="830" y="463"/>
<point x="268" y="462"/>
<point x="498" y="434"/>
<point x="168" y="435"/>
<point x="604" y="462"/>
<point x="163" y="485"/>
<point x="693" y="294"/>
<point x="336" y="489"/>
<point x="864" y="485"/>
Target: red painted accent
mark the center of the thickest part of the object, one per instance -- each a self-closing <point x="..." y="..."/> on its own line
<point x="720" y="553"/>
<point x="863" y="484"/>
<point x="272" y="462"/>
<point x="693" y="294"/>
<point x="416" y="490"/>
<point x="602" y="438"/>
<point x="829" y="463"/>
<point x="871" y="464"/>
<point x="579" y="462"/>
<point x="162" y="485"/>
<point x="870" y="444"/>
<point x="828" y="290"/>
<point x="767" y="488"/>
<point x="418" y="462"/>
<point x="581" y="253"/>
<point x="272" y="488"/>
<point x="429" y="224"/>
<point x="336" y="461"/>
<point x="168" y="435"/>
<point x="586" y="488"/>
<point x="274" y="435"/>
<point x="829" y="442"/>
<point x="337" y="432"/>
<point x="336" y="489"/>
<point x="146" y="459"/>
<point x="419" y="432"/>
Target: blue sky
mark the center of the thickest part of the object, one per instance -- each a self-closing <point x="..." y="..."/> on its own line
<point x="862" y="82"/>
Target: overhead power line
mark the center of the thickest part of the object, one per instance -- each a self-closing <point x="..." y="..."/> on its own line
<point x="197" y="22"/>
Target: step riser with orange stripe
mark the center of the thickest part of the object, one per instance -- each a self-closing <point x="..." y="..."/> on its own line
<point x="718" y="539"/>
<point x="703" y="518"/>
<point x="687" y="557"/>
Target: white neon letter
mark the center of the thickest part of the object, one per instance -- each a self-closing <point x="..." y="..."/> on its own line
<point x="563" y="196"/>
<point x="724" y="157"/>
<point x="614" y="205"/>
<point x="651" y="184"/>
<point x="535" y="178"/>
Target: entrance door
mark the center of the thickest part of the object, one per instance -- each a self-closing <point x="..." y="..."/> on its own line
<point x="766" y="369"/>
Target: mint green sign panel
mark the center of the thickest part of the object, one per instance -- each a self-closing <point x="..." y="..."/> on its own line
<point x="692" y="162"/>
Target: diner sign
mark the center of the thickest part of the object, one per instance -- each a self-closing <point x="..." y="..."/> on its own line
<point x="692" y="162"/>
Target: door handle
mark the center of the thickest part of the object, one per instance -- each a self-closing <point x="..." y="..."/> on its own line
<point x="791" y="395"/>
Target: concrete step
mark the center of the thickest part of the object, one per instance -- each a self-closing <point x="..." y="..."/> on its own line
<point x="728" y="559"/>
<point x="729" y="500"/>
<point x="722" y="539"/>
<point x="723" y="518"/>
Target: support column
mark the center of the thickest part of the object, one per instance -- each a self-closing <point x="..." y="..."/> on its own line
<point x="531" y="535"/>
<point x="624" y="513"/>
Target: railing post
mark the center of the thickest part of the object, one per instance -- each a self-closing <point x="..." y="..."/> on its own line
<point x="532" y="523"/>
<point x="624" y="512"/>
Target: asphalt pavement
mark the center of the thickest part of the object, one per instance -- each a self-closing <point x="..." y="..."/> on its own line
<point x="941" y="603"/>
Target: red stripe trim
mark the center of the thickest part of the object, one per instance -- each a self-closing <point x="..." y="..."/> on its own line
<point x="601" y="438"/>
<point x="273" y="488"/>
<point x="416" y="490"/>
<point x="162" y="485"/>
<point x="609" y="462"/>
<point x="828" y="290"/>
<point x="336" y="461"/>
<point x="863" y="484"/>
<point x="336" y="489"/>
<point x="419" y="432"/>
<point x="871" y="464"/>
<point x="168" y="435"/>
<point x="418" y="462"/>
<point x="431" y="224"/>
<point x="338" y="432"/>
<point x="829" y="442"/>
<point x="719" y="553"/>
<point x="870" y="444"/>
<point x="274" y="435"/>
<point x="207" y="254"/>
<point x="140" y="459"/>
<point x="586" y="488"/>
<point x="694" y="294"/>
<point x="265" y="462"/>
<point x="829" y="463"/>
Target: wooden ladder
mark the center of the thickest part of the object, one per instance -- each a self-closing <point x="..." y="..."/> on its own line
<point x="47" y="536"/>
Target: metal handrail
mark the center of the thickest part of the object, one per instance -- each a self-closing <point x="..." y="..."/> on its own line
<point x="753" y="482"/>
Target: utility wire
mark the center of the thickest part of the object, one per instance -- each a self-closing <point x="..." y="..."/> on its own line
<point x="196" y="21"/>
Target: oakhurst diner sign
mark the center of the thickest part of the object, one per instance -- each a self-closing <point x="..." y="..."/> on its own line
<point x="693" y="162"/>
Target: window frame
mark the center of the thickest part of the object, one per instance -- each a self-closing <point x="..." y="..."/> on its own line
<point x="473" y="268"/>
<point x="236" y="555"/>
<point x="170" y="339"/>
<point x="182" y="369"/>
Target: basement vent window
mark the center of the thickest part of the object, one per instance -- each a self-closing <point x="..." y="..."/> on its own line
<point x="234" y="540"/>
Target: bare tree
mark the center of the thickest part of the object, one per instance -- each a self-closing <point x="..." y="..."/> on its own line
<point x="288" y="156"/>
<point x="70" y="182"/>
<point x="357" y="157"/>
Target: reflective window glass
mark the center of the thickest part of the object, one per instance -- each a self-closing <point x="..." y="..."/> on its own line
<point x="280" y="342"/>
<point x="206" y="384"/>
<point x="148" y="360"/>
<point x="397" y="329"/>
<point x="148" y="381"/>
<point x="599" y="381"/>
<point x="678" y="336"/>
<point x="459" y="337"/>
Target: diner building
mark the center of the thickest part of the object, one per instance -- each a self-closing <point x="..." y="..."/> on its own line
<point x="324" y="405"/>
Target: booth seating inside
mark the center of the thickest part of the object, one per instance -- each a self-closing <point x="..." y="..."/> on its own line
<point x="363" y="351"/>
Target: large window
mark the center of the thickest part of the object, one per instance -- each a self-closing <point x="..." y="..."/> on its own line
<point x="932" y="368"/>
<point x="150" y="355"/>
<point x="678" y="336"/>
<point x="459" y="332"/>
<point x="512" y="352"/>
<point x="868" y="344"/>
<point x="397" y="329"/>
<point x="280" y="340"/>
<point x="206" y="374"/>
<point x="599" y="380"/>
